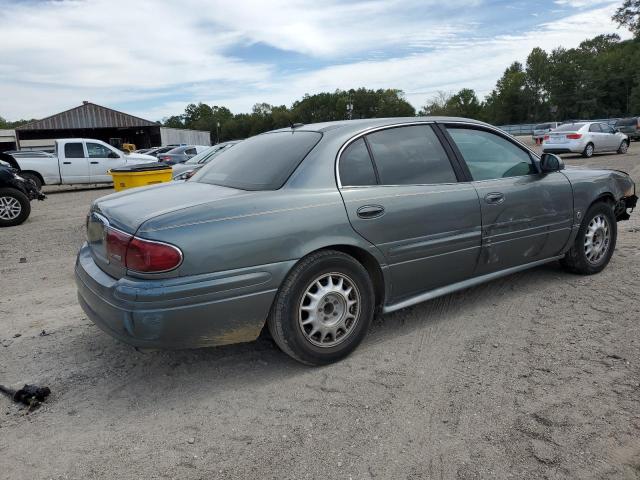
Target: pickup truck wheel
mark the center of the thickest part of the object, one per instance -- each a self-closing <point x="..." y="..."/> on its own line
<point x="624" y="146"/>
<point x="33" y="177"/>
<point x="323" y="309"/>
<point x="588" y="151"/>
<point x="595" y="242"/>
<point x="14" y="207"/>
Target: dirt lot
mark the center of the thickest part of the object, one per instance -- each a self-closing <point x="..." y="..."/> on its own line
<point x="533" y="376"/>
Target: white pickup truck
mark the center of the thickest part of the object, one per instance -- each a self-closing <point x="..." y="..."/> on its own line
<point x="77" y="160"/>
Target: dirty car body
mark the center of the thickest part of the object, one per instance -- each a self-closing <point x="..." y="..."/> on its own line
<point x="418" y="232"/>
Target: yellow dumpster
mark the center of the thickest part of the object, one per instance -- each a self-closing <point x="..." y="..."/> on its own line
<point x="140" y="175"/>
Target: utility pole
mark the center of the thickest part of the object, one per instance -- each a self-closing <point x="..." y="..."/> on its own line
<point x="349" y="110"/>
<point x="217" y="132"/>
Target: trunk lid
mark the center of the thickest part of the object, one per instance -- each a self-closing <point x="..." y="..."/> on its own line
<point x="127" y="210"/>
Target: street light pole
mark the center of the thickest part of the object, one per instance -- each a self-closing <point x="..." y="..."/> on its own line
<point x="349" y="110"/>
<point x="217" y="132"/>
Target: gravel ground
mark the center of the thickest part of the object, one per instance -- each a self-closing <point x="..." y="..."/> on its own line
<point x="536" y="375"/>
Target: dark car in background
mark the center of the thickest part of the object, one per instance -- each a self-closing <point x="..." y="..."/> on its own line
<point x="312" y="229"/>
<point x="182" y="171"/>
<point x="181" y="154"/>
<point x="16" y="193"/>
<point x="630" y="127"/>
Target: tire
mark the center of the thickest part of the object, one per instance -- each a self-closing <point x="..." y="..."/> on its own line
<point x="577" y="260"/>
<point x="33" y="177"/>
<point x="339" y="324"/>
<point x="624" y="146"/>
<point x="14" y="207"/>
<point x="588" y="151"/>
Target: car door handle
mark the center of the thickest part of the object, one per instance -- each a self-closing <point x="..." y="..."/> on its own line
<point x="66" y="163"/>
<point x="494" y="198"/>
<point x="371" y="211"/>
<point x="95" y="163"/>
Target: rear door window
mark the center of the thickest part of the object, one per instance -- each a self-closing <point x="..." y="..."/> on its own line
<point x="410" y="156"/>
<point x="595" y="128"/>
<point x="356" y="167"/>
<point x="263" y="162"/>
<point x="490" y="156"/>
<point x="73" y="150"/>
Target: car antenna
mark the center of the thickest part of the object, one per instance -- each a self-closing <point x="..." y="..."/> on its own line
<point x="296" y="125"/>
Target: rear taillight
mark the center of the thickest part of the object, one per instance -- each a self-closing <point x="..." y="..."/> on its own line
<point x="152" y="257"/>
<point x="574" y="136"/>
<point x="117" y="243"/>
<point x="546" y="137"/>
<point x="141" y="255"/>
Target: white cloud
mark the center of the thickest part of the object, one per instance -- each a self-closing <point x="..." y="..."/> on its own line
<point x="55" y="54"/>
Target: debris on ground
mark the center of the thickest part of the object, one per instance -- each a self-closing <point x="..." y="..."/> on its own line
<point x="30" y="395"/>
<point x="44" y="333"/>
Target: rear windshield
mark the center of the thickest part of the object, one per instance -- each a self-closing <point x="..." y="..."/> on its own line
<point x="626" y="122"/>
<point x="569" y="127"/>
<point x="263" y="162"/>
<point x="542" y="126"/>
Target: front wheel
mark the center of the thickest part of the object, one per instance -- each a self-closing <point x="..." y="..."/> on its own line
<point x="323" y="309"/>
<point x="624" y="146"/>
<point x="588" y="151"/>
<point x="14" y="207"/>
<point x="595" y="242"/>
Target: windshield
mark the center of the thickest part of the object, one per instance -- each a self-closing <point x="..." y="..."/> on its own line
<point x="203" y="156"/>
<point x="263" y="162"/>
<point x="569" y="127"/>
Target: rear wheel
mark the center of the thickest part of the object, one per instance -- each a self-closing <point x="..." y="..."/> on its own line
<point x="32" y="177"/>
<point x="624" y="146"/>
<point x="323" y="309"/>
<point x="588" y="151"/>
<point x="14" y="207"/>
<point x="595" y="242"/>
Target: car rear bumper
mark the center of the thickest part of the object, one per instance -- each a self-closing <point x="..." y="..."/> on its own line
<point x="566" y="147"/>
<point x="184" y="312"/>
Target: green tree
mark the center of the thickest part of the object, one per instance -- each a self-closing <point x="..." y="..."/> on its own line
<point x="628" y="15"/>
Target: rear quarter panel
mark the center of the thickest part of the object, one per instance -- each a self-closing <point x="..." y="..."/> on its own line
<point x="260" y="229"/>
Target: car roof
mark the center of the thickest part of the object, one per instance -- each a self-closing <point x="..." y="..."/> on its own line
<point x="365" y="124"/>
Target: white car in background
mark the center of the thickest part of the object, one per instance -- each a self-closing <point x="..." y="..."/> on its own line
<point x="585" y="138"/>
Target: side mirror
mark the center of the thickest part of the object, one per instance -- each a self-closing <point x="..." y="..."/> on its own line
<point x="114" y="155"/>
<point x="551" y="163"/>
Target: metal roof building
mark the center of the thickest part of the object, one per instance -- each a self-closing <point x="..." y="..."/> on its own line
<point x="95" y="121"/>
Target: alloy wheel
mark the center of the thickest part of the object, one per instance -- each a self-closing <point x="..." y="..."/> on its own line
<point x="10" y="208"/>
<point x="329" y="309"/>
<point x="597" y="239"/>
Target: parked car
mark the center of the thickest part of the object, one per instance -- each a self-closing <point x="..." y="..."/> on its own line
<point x="155" y="151"/>
<point x="630" y="127"/>
<point x="540" y="130"/>
<point x="78" y="160"/>
<point x="181" y="154"/>
<point x="16" y="193"/>
<point x="311" y="229"/>
<point x="182" y="171"/>
<point x="585" y="138"/>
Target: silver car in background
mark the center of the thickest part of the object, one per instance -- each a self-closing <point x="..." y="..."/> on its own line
<point x="182" y="171"/>
<point x="310" y="230"/>
<point x="585" y="138"/>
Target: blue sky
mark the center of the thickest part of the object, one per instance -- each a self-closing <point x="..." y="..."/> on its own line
<point x="152" y="58"/>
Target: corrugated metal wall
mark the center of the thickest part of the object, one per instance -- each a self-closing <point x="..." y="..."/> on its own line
<point x="170" y="136"/>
